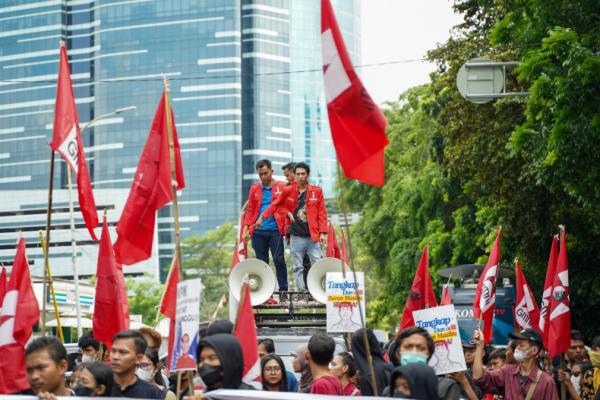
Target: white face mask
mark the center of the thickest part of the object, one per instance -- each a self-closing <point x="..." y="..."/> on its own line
<point x="575" y="382"/>
<point x="144" y="374"/>
<point x="520" y="355"/>
<point x="88" y="359"/>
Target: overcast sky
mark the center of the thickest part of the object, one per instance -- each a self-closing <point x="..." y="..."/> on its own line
<point x="401" y="30"/>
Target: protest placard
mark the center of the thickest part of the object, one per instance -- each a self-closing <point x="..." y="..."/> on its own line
<point x="343" y="295"/>
<point x="187" y="325"/>
<point x="441" y="323"/>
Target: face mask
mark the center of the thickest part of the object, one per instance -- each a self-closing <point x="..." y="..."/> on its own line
<point x="144" y="374"/>
<point x="88" y="359"/>
<point x="399" y="394"/>
<point x="410" y="357"/>
<point x="82" y="391"/>
<point x="520" y="355"/>
<point x="575" y="382"/>
<point x="211" y="375"/>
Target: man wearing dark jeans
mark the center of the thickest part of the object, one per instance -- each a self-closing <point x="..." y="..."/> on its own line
<point x="288" y="172"/>
<point x="267" y="236"/>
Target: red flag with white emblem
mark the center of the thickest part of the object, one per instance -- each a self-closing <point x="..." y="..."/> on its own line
<point x="421" y="293"/>
<point x="245" y="331"/>
<point x="485" y="295"/>
<point x="527" y="312"/>
<point x="357" y="124"/>
<point x="151" y="189"/>
<point x="67" y="141"/>
<point x="559" y="334"/>
<point x="545" y="304"/>
<point x="16" y="327"/>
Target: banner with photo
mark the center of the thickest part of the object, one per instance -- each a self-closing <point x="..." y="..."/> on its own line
<point x="343" y="295"/>
<point x="187" y="325"/>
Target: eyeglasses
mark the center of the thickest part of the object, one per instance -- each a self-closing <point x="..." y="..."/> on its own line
<point x="272" y="370"/>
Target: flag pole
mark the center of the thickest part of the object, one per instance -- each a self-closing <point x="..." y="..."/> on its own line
<point x="56" y="313"/>
<point x="74" y="252"/>
<point x="563" y="387"/>
<point x="173" y="174"/>
<point x="220" y="305"/>
<point x="46" y="253"/>
<point x="351" y="258"/>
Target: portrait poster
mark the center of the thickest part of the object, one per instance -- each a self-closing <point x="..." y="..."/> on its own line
<point x="441" y="323"/>
<point x="343" y="297"/>
<point x="187" y="323"/>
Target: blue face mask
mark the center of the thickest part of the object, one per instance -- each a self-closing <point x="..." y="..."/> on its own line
<point x="410" y="357"/>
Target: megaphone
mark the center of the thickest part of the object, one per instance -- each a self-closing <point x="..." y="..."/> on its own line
<point x="260" y="278"/>
<point x="317" y="276"/>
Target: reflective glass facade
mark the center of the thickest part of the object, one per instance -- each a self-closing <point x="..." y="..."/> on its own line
<point x="236" y="90"/>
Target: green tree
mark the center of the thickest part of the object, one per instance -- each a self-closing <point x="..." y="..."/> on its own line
<point x="144" y="296"/>
<point x="209" y="258"/>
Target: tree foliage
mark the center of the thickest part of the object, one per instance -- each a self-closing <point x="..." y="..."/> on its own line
<point x="144" y="296"/>
<point x="456" y="170"/>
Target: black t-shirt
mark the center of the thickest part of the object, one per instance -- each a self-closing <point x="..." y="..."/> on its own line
<point x="300" y="225"/>
<point x="139" y="390"/>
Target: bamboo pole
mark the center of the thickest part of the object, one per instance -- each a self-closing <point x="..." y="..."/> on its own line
<point x="46" y="253"/>
<point x="49" y="273"/>
<point x="351" y="258"/>
<point x="74" y="252"/>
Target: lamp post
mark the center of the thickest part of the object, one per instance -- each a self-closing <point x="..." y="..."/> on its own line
<point x="72" y="218"/>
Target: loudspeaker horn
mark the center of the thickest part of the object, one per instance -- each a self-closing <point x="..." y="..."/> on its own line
<point x="317" y="276"/>
<point x="260" y="277"/>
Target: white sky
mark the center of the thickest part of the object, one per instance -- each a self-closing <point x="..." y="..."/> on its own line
<point x="401" y="30"/>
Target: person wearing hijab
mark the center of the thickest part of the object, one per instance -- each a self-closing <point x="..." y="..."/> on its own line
<point x="414" y="381"/>
<point x="219" y="326"/>
<point x="382" y="369"/>
<point x="221" y="362"/>
<point x="301" y="367"/>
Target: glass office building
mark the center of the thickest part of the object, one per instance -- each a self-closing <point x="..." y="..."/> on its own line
<point x="245" y="81"/>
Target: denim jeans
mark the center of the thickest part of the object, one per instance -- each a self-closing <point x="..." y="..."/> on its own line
<point x="262" y="242"/>
<point x="300" y="246"/>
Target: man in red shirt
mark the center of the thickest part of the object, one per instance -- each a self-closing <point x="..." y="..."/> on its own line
<point x="306" y="223"/>
<point x="267" y="234"/>
<point x="520" y="381"/>
<point x="320" y="353"/>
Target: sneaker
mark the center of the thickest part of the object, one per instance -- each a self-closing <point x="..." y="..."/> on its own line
<point x="271" y="300"/>
<point x="283" y="297"/>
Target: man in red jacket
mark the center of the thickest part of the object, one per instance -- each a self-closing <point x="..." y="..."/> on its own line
<point x="268" y="234"/>
<point x="304" y="206"/>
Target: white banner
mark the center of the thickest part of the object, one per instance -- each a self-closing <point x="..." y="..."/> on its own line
<point x="343" y="295"/>
<point x="187" y="325"/>
<point x="441" y="323"/>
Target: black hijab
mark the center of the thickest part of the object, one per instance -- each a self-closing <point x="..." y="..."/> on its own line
<point x="219" y="326"/>
<point x="229" y="351"/>
<point x="421" y="379"/>
<point x="382" y="369"/>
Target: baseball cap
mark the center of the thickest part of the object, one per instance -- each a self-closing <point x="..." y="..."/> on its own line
<point x="469" y="344"/>
<point x="529" y="334"/>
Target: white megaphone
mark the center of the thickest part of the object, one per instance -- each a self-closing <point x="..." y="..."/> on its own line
<point x="317" y="276"/>
<point x="260" y="278"/>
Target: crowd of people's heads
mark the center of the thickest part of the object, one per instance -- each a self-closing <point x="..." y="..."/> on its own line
<point x="398" y="368"/>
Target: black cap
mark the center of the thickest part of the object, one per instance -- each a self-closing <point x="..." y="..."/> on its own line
<point x="528" y="334"/>
<point x="469" y="344"/>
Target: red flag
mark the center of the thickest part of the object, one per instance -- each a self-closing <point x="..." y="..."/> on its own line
<point x="357" y="125"/>
<point x="545" y="304"/>
<point x="151" y="189"/>
<point x="527" y="312"/>
<point x="344" y="251"/>
<point x="446" y="299"/>
<point x="168" y="305"/>
<point x="2" y="284"/>
<point x="245" y="331"/>
<point x="333" y="248"/>
<point x="67" y="141"/>
<point x="16" y="328"/>
<point x="240" y="252"/>
<point x="559" y="335"/>
<point x="421" y="293"/>
<point x="111" y="309"/>
<point x="485" y="295"/>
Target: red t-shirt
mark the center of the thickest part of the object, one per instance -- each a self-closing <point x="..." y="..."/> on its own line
<point x="327" y="385"/>
<point x="350" y="390"/>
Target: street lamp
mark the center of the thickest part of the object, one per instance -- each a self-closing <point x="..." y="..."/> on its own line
<point x="107" y="115"/>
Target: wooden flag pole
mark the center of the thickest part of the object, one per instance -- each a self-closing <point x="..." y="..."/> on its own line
<point x="563" y="387"/>
<point x="351" y="258"/>
<point x="222" y="301"/>
<point x="173" y="174"/>
<point x="74" y="251"/>
<point x="46" y="253"/>
<point x="49" y="273"/>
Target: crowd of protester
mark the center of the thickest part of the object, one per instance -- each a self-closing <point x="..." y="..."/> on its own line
<point x="400" y="368"/>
